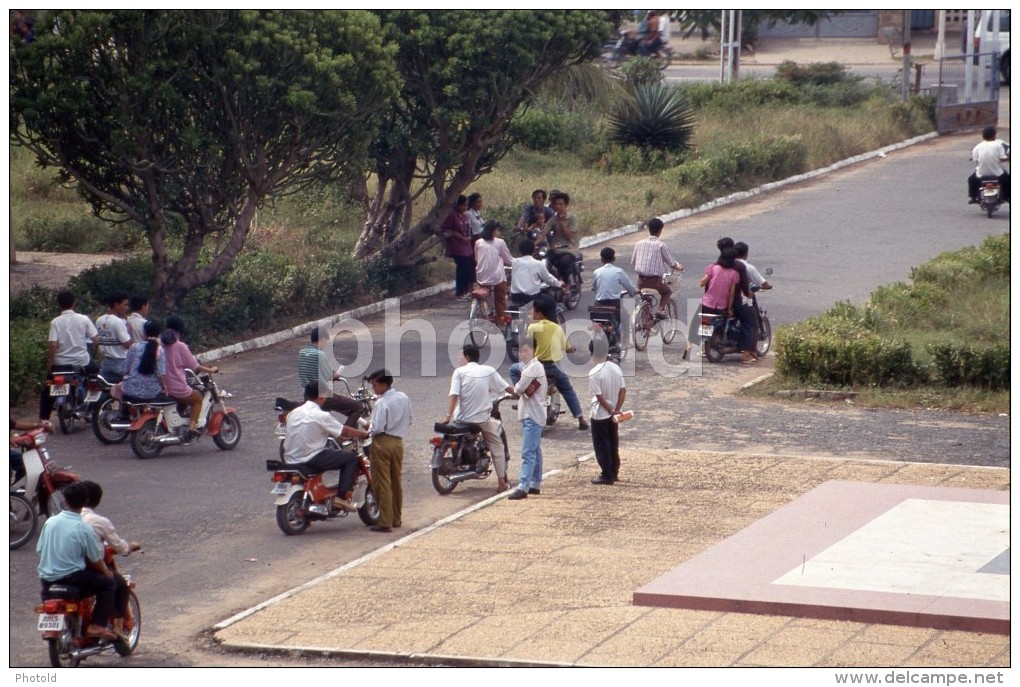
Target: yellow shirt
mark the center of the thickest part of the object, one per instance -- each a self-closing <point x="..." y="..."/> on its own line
<point x="550" y="341"/>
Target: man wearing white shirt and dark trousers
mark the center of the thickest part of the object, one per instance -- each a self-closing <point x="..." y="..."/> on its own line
<point x="608" y="390"/>
<point x="989" y="155"/>
<point x="70" y="334"/>
<point x="527" y="275"/>
<point x="391" y="421"/>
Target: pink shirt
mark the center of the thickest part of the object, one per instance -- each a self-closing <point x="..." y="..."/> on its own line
<point x="178" y="357"/>
<point x="490" y="257"/>
<point x="717" y="293"/>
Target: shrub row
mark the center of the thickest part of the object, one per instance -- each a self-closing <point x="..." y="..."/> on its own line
<point x="741" y="165"/>
<point x="867" y="360"/>
<point x="963" y="365"/>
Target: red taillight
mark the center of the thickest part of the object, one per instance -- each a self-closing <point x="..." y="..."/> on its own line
<point x="707" y="319"/>
<point x="51" y="606"/>
<point x="279" y="477"/>
<point x="93" y="385"/>
<point x="436" y="441"/>
<point x="282" y="417"/>
<point x="505" y="319"/>
<point x="58" y="379"/>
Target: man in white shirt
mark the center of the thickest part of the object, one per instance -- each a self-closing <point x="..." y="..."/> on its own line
<point x="989" y="155"/>
<point x="108" y="536"/>
<point x="527" y="275"/>
<point x="608" y="390"/>
<point x="114" y="337"/>
<point x="70" y="334"/>
<point x="308" y="428"/>
<point x="472" y="389"/>
<point x="139" y="307"/>
<point x="532" y="390"/>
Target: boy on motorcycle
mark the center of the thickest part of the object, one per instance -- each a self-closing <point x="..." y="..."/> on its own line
<point x="562" y="234"/>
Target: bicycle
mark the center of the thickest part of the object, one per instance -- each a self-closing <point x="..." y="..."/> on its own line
<point x="643" y="321"/>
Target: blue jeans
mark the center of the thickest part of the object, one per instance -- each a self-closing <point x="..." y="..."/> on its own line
<point x="112" y="369"/>
<point x="562" y="383"/>
<point x="531" y="455"/>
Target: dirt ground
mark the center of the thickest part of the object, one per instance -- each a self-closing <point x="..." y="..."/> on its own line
<point x="51" y="270"/>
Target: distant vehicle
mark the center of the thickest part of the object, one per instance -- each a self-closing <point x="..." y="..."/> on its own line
<point x="985" y="40"/>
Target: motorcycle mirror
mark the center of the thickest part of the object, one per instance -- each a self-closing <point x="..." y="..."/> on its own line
<point x="768" y="271"/>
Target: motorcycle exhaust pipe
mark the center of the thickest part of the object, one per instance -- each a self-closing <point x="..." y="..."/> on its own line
<point x="168" y="440"/>
<point x="463" y="476"/>
<point x="91" y="651"/>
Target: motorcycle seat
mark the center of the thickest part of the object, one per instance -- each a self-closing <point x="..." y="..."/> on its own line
<point x="282" y="404"/>
<point x="157" y="401"/>
<point x="456" y="428"/>
<point x="60" y="590"/>
<point x="279" y="466"/>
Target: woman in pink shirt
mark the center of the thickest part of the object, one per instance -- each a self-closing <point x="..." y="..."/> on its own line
<point x="720" y="283"/>
<point x="178" y="359"/>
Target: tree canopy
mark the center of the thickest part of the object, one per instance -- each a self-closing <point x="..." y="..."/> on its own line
<point x="187" y="121"/>
<point x="465" y="75"/>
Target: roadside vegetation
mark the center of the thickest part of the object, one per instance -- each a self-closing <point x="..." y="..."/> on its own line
<point x="298" y="263"/>
<point x="941" y="341"/>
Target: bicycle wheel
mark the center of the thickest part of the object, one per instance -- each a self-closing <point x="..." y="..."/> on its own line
<point x="668" y="326"/>
<point x="641" y="325"/>
<point x="477" y="317"/>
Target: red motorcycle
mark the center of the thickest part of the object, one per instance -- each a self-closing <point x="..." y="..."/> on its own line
<point x="65" y="613"/>
<point x="43" y="480"/>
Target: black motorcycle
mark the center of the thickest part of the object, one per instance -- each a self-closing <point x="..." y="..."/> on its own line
<point x="460" y="452"/>
<point x="721" y="335"/>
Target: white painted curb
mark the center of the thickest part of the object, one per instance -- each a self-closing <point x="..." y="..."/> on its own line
<point x="373" y="308"/>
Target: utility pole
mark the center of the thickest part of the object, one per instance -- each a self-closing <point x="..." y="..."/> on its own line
<point x="729" y="46"/>
<point x="907" y="16"/>
<point x="940" y="44"/>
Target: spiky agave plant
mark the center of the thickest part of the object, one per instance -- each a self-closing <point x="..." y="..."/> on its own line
<point x="655" y="117"/>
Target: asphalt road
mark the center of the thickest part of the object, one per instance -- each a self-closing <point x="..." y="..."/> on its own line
<point x="205" y="517"/>
<point x="709" y="72"/>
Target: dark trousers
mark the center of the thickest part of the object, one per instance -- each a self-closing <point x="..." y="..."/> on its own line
<point x="745" y="315"/>
<point x="337" y="459"/>
<point x="562" y="261"/>
<point x="605" y="438"/>
<point x="974" y="185"/>
<point x="93" y="583"/>
<point x="464" y="275"/>
<point x="346" y="406"/>
<point x="120" y="596"/>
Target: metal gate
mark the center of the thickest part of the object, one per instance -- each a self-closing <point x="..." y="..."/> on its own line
<point x="967" y="93"/>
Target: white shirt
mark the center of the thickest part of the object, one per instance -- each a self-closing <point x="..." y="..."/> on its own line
<point x="490" y="257"/>
<point x="308" y="428"/>
<point x="605" y="379"/>
<point x="113" y="334"/>
<point x="72" y="331"/>
<point x="391" y="414"/>
<point x="528" y="274"/>
<point x="475" y="386"/>
<point x="532" y="407"/>
<point x="753" y="275"/>
<point x="476" y="222"/>
<point x="987" y="155"/>
<point x="136" y="327"/>
<point x="105" y="531"/>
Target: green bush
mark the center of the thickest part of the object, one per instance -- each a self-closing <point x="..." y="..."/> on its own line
<point x="741" y="165"/>
<point x="91" y="287"/>
<point x="966" y="267"/>
<point x="542" y="129"/>
<point x="641" y="71"/>
<point x="28" y="357"/>
<point x="964" y="365"/>
<point x="822" y="357"/>
<point x="35" y="303"/>
<point x="816" y="73"/>
<point x="739" y="95"/>
<point x="86" y="234"/>
<point x="654" y="118"/>
<point x="899" y="305"/>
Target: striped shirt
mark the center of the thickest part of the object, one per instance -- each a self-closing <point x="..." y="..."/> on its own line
<point x="651" y="258"/>
<point x="313" y="366"/>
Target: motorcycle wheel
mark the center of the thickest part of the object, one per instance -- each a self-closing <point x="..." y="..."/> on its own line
<point x="291" y="516"/>
<point x="572" y="298"/>
<point x="668" y="327"/>
<point x="639" y="325"/>
<point x="441" y="475"/>
<point x="230" y="432"/>
<point x="369" y="511"/>
<point x="107" y="411"/>
<point x="477" y="317"/>
<point x="512" y="344"/>
<point x="663" y="59"/>
<point x="23" y="521"/>
<point x="764" y="342"/>
<point x="60" y="647"/>
<point x="65" y="416"/>
<point x="132" y="627"/>
<point x="713" y="349"/>
<point x="143" y="442"/>
<point x="552" y="411"/>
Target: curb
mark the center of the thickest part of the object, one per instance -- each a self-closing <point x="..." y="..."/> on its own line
<point x="373" y="308"/>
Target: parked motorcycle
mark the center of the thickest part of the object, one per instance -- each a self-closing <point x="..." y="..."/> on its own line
<point x="106" y="411"/>
<point x="159" y="423"/>
<point x="303" y="495"/>
<point x="989" y="195"/>
<point x="721" y="335"/>
<point x="73" y="397"/>
<point x="460" y="452"/>
<point x="43" y="480"/>
<point x="65" y="613"/>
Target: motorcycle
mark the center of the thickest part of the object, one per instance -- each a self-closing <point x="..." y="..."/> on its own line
<point x="570" y="297"/>
<point x="460" y="452"/>
<point x="43" y="480"/>
<point x="282" y="407"/>
<point x="106" y="411"/>
<point x="73" y="400"/>
<point x="158" y="423"/>
<point x="65" y="613"/>
<point x="626" y="46"/>
<point x="606" y="318"/>
<point x="721" y="335"/>
<point x="303" y="495"/>
<point x="989" y="195"/>
<point x="518" y="320"/>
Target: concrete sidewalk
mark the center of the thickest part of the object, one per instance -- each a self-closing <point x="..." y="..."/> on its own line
<point x="550" y="580"/>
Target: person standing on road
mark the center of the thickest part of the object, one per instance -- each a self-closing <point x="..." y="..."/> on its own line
<point x="608" y="390"/>
<point x="313" y="366"/>
<point x="70" y="335"/>
<point x="114" y="337"/>
<point x="475" y="220"/>
<point x="531" y="389"/>
<point x="456" y="231"/>
<point x="472" y="389"/>
<point x="391" y="421"/>
<point x="989" y="155"/>
<point x="651" y="259"/>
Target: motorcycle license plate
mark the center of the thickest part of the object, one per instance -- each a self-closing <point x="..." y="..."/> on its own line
<point x="280" y="489"/>
<point x="93" y="396"/>
<point x="281" y="430"/>
<point x="60" y="389"/>
<point x="705" y="330"/>
<point x="49" y="622"/>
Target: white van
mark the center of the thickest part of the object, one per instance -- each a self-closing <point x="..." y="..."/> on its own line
<point x="985" y="41"/>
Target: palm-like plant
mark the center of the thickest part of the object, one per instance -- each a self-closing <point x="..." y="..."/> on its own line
<point x="655" y="117"/>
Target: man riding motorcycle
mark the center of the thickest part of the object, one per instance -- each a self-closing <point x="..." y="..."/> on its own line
<point x="562" y="234"/>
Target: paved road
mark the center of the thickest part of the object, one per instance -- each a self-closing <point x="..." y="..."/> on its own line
<point x="206" y="518"/>
<point x="709" y="72"/>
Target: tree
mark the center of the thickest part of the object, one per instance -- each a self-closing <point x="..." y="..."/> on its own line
<point x="186" y="122"/>
<point x="466" y="74"/>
